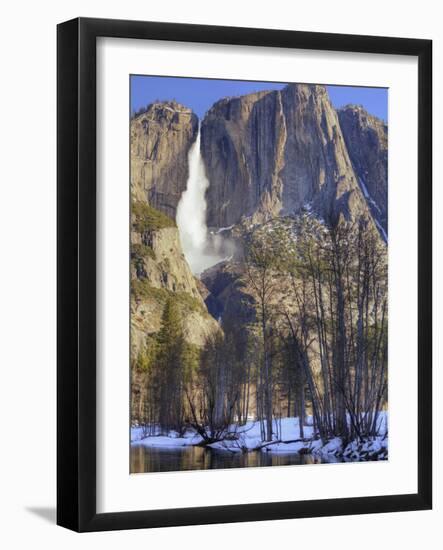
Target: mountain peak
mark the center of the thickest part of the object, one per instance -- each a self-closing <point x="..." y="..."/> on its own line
<point x="158" y="107"/>
<point x="269" y="154"/>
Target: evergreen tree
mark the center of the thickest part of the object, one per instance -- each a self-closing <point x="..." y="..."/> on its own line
<point x="169" y="376"/>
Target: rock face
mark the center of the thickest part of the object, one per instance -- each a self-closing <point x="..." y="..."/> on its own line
<point x="241" y="139"/>
<point x="164" y="266"/>
<point x="266" y="154"/>
<point x="158" y="271"/>
<point x="226" y="295"/>
<point x="366" y="139"/>
<point x="161" y="138"/>
<point x="273" y="153"/>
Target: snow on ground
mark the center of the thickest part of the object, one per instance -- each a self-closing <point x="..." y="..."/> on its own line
<point x="138" y="437"/>
<point x="248" y="438"/>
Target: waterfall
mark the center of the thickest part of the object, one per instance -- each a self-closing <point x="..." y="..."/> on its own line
<point x="191" y="214"/>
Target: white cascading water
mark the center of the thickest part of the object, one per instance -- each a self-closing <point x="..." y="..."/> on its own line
<point x="191" y="214"/>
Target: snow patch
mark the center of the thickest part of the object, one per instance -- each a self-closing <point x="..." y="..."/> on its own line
<point x="222" y="229"/>
<point x="364" y="188"/>
<point x="287" y="439"/>
<point x="375" y="205"/>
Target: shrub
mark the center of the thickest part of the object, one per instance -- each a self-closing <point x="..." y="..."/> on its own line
<point x="148" y="218"/>
<point x="140" y="251"/>
<point x="141" y="289"/>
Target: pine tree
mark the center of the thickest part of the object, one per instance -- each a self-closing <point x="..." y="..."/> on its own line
<point x="169" y="377"/>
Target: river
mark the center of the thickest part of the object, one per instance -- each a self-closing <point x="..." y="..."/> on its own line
<point x="161" y="459"/>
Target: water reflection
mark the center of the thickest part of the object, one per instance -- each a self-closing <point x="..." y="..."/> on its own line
<point x="156" y="459"/>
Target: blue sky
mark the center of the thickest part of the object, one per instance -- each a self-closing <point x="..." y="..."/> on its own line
<point x="200" y="94"/>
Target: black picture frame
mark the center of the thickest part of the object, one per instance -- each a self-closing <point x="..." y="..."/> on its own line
<point x="76" y="280"/>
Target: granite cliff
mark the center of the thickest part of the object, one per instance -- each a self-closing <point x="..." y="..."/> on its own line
<point x="274" y="153"/>
<point x="366" y="139"/>
<point x="159" y="270"/>
<point x="161" y="136"/>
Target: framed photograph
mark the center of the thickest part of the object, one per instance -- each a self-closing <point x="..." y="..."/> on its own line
<point x="244" y="274"/>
